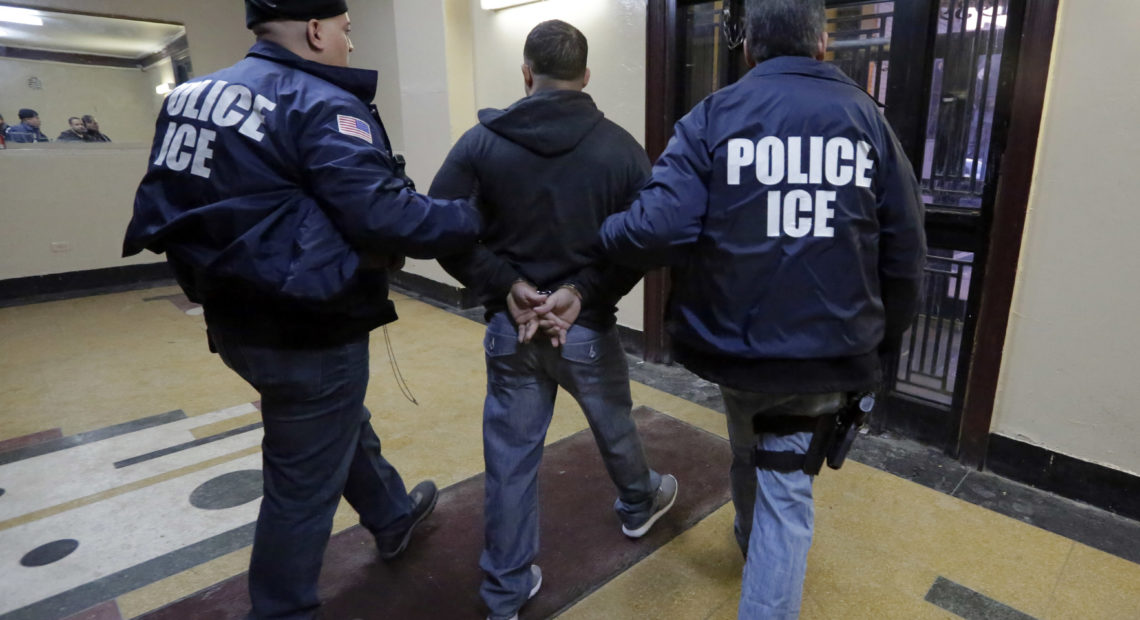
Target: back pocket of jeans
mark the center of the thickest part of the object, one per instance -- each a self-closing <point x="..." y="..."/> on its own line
<point x="588" y="352"/>
<point x="500" y="345"/>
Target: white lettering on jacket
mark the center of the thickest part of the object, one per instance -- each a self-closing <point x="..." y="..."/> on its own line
<point x="831" y="164"/>
<point x="197" y="111"/>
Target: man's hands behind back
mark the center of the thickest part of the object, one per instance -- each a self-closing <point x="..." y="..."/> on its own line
<point x="552" y="313"/>
<point x="521" y="302"/>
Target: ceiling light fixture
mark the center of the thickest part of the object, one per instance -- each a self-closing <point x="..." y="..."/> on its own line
<point x="15" y="15"/>
<point x="495" y="5"/>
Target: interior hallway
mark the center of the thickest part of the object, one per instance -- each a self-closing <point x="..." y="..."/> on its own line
<point x="128" y="458"/>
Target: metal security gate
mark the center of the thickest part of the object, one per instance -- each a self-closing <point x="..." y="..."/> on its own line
<point x="942" y="72"/>
<point x="927" y="368"/>
<point x="860" y="44"/>
<point x="959" y="46"/>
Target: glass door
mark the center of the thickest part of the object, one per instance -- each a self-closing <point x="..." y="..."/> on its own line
<point x="711" y="49"/>
<point x="955" y="71"/>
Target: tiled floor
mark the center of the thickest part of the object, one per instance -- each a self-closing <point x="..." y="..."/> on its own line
<point x="83" y="365"/>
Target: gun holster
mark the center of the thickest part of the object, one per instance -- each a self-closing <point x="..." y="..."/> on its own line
<point x="832" y="437"/>
<point x="402" y="171"/>
<point x="849" y="421"/>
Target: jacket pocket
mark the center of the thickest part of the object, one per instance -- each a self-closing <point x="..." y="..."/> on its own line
<point x="321" y="264"/>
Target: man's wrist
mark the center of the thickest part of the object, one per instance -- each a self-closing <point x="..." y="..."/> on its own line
<point x="573" y="289"/>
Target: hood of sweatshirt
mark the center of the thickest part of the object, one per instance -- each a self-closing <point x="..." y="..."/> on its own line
<point x="547" y="123"/>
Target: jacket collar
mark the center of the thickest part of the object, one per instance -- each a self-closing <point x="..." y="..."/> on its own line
<point x="801" y="65"/>
<point x="359" y="82"/>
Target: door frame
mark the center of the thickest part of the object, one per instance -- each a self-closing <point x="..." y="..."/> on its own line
<point x="1013" y="151"/>
<point x="660" y="114"/>
<point x="1005" y="222"/>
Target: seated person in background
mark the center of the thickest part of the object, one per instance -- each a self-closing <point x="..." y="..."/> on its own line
<point x="28" y="130"/>
<point x="93" y="133"/>
<point x="76" y="131"/>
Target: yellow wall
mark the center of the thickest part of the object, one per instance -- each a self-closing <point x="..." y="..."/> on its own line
<point x="616" y="32"/>
<point x="77" y="196"/>
<point x="1069" y="372"/>
<point x="374" y="40"/>
<point x="460" y="35"/>
<point x="421" y="37"/>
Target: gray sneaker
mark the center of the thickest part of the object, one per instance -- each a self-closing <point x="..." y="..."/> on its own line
<point x="662" y="502"/>
<point x="536" y="574"/>
<point x="424" y="497"/>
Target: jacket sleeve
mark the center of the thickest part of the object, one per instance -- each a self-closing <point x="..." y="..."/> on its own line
<point x="477" y="268"/>
<point x="358" y="186"/>
<point x="902" y="240"/>
<point x="670" y="211"/>
<point x="605" y="279"/>
<point x="609" y="281"/>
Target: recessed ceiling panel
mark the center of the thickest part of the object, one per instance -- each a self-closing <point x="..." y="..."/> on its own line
<point x="84" y="34"/>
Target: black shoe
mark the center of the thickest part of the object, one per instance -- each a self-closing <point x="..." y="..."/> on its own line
<point x="424" y="496"/>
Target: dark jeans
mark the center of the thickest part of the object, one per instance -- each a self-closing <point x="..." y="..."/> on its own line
<point x="318" y="446"/>
<point x="522" y="381"/>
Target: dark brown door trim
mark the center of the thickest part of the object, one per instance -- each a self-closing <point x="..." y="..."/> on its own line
<point x="660" y="111"/>
<point x="660" y="74"/>
<point x="1008" y="224"/>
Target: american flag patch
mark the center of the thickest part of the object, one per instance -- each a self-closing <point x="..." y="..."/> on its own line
<point x="352" y="126"/>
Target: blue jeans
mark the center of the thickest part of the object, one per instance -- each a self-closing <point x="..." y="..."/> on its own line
<point x="318" y="446"/>
<point x="522" y="381"/>
<point x="774" y="511"/>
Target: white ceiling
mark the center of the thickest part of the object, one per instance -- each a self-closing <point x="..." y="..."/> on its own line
<point x="87" y="34"/>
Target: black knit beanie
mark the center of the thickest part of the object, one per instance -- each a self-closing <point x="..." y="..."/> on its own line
<point x="260" y="11"/>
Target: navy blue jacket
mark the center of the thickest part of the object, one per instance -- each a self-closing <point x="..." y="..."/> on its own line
<point x="273" y="190"/>
<point x="25" y="133"/>
<point x="549" y="170"/>
<point x="796" y="225"/>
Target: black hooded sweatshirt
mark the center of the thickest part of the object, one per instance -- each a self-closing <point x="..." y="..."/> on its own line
<point x="548" y="171"/>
